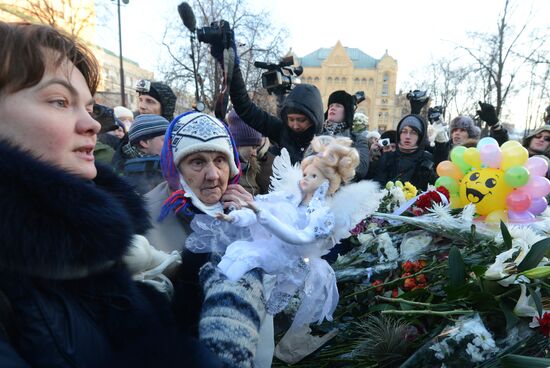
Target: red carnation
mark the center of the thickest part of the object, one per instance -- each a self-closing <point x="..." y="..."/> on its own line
<point x="444" y="191"/>
<point x="427" y="199"/>
<point x="544" y="323"/>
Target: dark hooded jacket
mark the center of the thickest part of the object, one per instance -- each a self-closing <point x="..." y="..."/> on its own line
<point x="72" y="303"/>
<point x="304" y="97"/>
<point x="415" y="167"/>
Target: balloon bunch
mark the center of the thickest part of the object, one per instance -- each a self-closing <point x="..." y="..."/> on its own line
<point x="503" y="182"/>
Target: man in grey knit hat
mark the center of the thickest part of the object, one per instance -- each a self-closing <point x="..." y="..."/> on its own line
<point x="139" y="160"/>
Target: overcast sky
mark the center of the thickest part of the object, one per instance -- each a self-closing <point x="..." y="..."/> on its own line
<point x="413" y="32"/>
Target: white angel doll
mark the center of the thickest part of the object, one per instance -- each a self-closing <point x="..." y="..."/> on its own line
<point x="292" y="227"/>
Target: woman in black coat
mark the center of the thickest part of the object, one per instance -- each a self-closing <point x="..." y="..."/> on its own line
<point x="66" y="298"/>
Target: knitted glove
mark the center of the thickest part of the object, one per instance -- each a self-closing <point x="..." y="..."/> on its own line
<point x="487" y="113"/>
<point x="231" y="315"/>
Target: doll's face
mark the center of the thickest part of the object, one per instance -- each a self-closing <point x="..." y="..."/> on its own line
<point x="312" y="179"/>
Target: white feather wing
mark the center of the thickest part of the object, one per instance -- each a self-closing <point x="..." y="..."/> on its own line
<point x="352" y="203"/>
<point x="285" y="177"/>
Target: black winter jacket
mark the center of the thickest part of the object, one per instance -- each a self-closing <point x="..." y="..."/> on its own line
<point x="415" y="167"/>
<point x="304" y="97"/>
<point x="73" y="303"/>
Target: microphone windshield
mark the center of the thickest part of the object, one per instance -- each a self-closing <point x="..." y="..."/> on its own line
<point x="187" y="16"/>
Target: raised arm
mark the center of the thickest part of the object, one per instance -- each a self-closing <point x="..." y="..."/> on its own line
<point x="265" y="123"/>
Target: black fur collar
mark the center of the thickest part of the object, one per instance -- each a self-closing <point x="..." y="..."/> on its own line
<point x="56" y="225"/>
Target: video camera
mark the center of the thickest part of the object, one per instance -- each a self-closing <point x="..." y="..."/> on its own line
<point x="417" y="96"/>
<point x="143" y="86"/>
<point x="279" y="78"/>
<point x="358" y="97"/>
<point x="434" y="113"/>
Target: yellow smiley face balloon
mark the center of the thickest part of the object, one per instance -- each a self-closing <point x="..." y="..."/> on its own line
<point x="486" y="189"/>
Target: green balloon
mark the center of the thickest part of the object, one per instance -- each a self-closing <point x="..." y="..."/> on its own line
<point x="516" y="176"/>
<point x="457" y="157"/>
<point x="457" y="154"/>
<point x="447" y="182"/>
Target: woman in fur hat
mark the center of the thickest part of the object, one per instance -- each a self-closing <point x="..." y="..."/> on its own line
<point x="538" y="143"/>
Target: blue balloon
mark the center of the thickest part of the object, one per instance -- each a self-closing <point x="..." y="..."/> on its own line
<point x="486" y="141"/>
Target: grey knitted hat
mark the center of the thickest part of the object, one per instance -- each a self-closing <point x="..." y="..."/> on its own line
<point x="147" y="126"/>
<point x="466" y="123"/>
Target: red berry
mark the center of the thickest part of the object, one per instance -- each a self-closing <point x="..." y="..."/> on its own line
<point x="409" y="284"/>
<point x="421" y="279"/>
<point x="380" y="288"/>
<point x="407" y="266"/>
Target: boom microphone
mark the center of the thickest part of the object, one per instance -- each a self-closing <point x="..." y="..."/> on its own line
<point x="187" y="16"/>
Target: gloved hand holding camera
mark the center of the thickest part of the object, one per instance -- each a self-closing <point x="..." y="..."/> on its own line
<point x="220" y="37"/>
<point x="418" y="99"/>
<point x="487" y="113"/>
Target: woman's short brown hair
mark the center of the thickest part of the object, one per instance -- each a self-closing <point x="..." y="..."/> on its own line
<point x="23" y="47"/>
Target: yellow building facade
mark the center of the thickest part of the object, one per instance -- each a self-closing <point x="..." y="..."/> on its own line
<point x="352" y="70"/>
<point x="82" y="14"/>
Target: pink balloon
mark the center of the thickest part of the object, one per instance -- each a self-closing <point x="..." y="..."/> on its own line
<point x="518" y="201"/>
<point x="521" y="217"/>
<point x="538" y="205"/>
<point x="491" y="156"/>
<point x="537" y="186"/>
<point x="536" y="166"/>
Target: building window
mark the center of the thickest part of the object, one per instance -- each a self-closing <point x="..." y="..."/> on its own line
<point x="344" y="80"/>
<point x="371" y="82"/>
<point x="336" y="80"/>
<point x="385" y="84"/>
<point x="316" y="79"/>
<point x="364" y="81"/>
<point x="329" y="80"/>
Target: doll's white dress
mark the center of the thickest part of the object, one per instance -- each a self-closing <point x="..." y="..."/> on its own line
<point x="284" y="239"/>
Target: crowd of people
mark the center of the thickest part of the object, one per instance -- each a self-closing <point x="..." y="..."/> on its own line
<point x="99" y="274"/>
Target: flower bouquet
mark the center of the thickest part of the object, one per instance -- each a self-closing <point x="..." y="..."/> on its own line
<point x="428" y="286"/>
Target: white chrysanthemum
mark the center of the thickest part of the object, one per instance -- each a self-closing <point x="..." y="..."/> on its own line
<point x="398" y="196"/>
<point x="468" y="213"/>
<point x="443" y="215"/>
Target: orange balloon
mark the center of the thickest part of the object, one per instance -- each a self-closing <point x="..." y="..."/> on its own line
<point x="447" y="168"/>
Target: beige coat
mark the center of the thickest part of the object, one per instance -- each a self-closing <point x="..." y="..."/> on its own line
<point x="170" y="234"/>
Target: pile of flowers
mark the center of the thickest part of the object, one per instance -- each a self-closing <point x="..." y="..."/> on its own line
<point x="433" y="287"/>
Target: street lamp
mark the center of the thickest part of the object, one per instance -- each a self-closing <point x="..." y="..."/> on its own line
<point x="122" y="92"/>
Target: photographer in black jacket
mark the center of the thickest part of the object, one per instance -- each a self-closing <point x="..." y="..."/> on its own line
<point x="301" y="116"/>
<point x="409" y="162"/>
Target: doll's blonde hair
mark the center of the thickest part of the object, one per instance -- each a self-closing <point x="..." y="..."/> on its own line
<point x="335" y="158"/>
